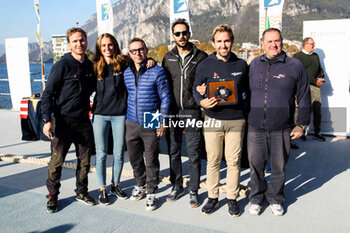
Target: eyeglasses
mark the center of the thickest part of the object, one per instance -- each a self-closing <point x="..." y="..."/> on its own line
<point x="135" y="51"/>
<point x="184" y="33"/>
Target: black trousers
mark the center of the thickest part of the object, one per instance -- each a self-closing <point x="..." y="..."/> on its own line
<point x="138" y="138"/>
<point x="68" y="131"/>
<point x="261" y="144"/>
<point x="193" y="137"/>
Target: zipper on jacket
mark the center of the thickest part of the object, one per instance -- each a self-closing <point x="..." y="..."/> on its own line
<point x="183" y="76"/>
<point x="265" y="103"/>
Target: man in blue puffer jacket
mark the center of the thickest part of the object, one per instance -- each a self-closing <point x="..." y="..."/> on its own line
<point x="148" y="104"/>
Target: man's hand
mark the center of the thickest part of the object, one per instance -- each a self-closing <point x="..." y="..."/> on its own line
<point x="161" y="131"/>
<point x="201" y="89"/>
<point x="209" y="103"/>
<point x="150" y="63"/>
<point x="297" y="132"/>
<point x="47" y="128"/>
<point x="319" y="82"/>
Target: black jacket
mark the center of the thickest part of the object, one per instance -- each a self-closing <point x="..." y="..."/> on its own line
<point x="181" y="78"/>
<point x="68" y="89"/>
<point x="111" y="96"/>
<point x="214" y="69"/>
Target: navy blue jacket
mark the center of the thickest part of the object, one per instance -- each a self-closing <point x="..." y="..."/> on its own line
<point x="212" y="69"/>
<point x="274" y="89"/>
<point x="151" y="93"/>
<point x="68" y="89"/>
<point x="110" y="98"/>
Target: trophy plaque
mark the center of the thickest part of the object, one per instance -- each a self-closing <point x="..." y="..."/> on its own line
<point x="224" y="91"/>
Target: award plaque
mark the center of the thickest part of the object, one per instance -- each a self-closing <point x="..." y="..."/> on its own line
<point x="224" y="91"/>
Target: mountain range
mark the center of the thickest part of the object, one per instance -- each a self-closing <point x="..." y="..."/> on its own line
<point x="149" y="19"/>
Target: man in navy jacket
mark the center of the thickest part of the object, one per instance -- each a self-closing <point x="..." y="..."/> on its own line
<point x="275" y="81"/>
<point x="148" y="96"/>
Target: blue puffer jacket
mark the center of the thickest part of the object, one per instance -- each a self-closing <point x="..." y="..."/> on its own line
<point x="151" y="93"/>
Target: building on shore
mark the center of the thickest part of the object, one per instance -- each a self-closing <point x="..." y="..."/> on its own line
<point x="59" y="46"/>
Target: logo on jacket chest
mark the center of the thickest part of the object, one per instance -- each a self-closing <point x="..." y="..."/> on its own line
<point x="280" y="76"/>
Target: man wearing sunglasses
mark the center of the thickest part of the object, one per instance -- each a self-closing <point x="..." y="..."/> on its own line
<point x="181" y="64"/>
<point x="148" y="92"/>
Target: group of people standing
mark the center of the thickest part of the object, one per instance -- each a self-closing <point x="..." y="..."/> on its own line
<point x="262" y="95"/>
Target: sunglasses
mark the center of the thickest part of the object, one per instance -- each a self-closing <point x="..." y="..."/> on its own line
<point x="135" y="51"/>
<point x="184" y="33"/>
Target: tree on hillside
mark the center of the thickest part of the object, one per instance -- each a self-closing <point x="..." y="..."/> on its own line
<point x="208" y="48"/>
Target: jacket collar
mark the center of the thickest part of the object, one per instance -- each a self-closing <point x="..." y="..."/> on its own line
<point x="281" y="58"/>
<point x="233" y="57"/>
<point x="193" y="49"/>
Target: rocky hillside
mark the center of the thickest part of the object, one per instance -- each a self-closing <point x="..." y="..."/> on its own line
<point x="149" y="19"/>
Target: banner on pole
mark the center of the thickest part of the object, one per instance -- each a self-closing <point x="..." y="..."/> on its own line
<point x="104" y="17"/>
<point x="38" y="37"/>
<point x="270" y="15"/>
<point x="179" y="9"/>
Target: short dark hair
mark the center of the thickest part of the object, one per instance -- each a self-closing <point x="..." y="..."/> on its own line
<point x="306" y="39"/>
<point x="222" y="28"/>
<point x="137" y="39"/>
<point x="73" y="30"/>
<point x="180" y="21"/>
<point x="271" y="30"/>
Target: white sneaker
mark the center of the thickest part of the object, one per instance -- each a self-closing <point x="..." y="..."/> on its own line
<point x="277" y="209"/>
<point x="151" y="202"/>
<point x="254" y="209"/>
<point x="138" y="193"/>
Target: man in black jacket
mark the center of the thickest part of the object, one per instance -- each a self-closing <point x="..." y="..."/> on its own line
<point x="181" y="64"/>
<point x="67" y="97"/>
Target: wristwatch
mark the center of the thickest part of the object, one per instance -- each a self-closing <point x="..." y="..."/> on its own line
<point x="46" y="121"/>
<point x="303" y="127"/>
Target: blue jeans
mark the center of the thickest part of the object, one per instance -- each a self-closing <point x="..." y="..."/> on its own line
<point x="101" y="127"/>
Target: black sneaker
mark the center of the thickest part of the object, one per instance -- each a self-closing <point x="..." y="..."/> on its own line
<point x="103" y="198"/>
<point x="319" y="138"/>
<point x="51" y="205"/>
<point x="233" y="209"/>
<point x="176" y="192"/>
<point x="194" y="202"/>
<point x="211" y="205"/>
<point x="115" y="190"/>
<point x="85" y="198"/>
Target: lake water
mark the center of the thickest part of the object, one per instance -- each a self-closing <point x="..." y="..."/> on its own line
<point x="5" y="100"/>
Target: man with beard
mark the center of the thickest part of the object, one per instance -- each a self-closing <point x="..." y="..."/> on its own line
<point x="230" y="74"/>
<point x="181" y="64"/>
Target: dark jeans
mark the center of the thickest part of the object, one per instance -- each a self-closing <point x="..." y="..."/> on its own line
<point x="261" y="144"/>
<point x="68" y="131"/>
<point x="138" y="138"/>
<point x="193" y="140"/>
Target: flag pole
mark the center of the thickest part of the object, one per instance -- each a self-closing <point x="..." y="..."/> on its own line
<point x="40" y="42"/>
